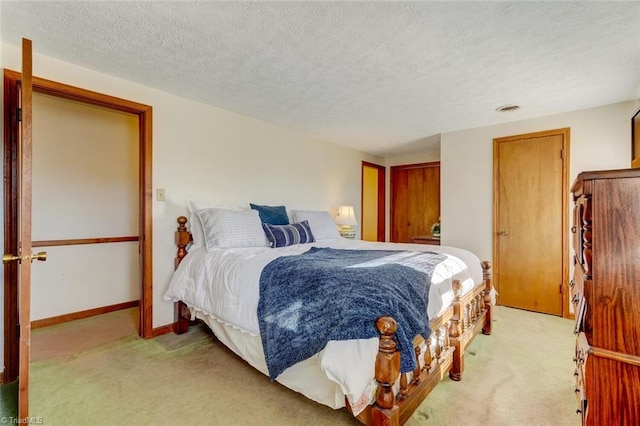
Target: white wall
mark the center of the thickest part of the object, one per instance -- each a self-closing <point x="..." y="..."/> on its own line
<point x="600" y="139"/>
<point x="414" y="158"/>
<point x="220" y="156"/>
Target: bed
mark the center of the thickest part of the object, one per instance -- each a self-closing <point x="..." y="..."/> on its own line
<point x="368" y="376"/>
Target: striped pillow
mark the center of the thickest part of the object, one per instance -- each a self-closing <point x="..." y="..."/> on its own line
<point x="225" y="228"/>
<point x="288" y="235"/>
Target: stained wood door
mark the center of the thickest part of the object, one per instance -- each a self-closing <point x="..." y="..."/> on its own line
<point x="415" y="200"/>
<point x="23" y="254"/>
<point x="530" y="223"/>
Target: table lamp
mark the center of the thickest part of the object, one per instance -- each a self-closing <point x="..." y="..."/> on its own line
<point x="346" y="218"/>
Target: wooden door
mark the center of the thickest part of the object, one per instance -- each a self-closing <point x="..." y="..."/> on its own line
<point x="372" y="221"/>
<point x="530" y="223"/>
<point x="23" y="255"/>
<point x="415" y="200"/>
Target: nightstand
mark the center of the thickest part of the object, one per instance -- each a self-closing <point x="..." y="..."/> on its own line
<point x="426" y="239"/>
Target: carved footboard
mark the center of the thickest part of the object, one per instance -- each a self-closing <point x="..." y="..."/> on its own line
<point x="398" y="394"/>
<point x="452" y="332"/>
<point x="434" y="358"/>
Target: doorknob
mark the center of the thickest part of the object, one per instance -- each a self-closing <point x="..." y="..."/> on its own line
<point x="503" y="233"/>
<point x="8" y="257"/>
<point x="41" y="256"/>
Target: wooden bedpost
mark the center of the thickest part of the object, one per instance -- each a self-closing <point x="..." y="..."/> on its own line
<point x="486" y="275"/>
<point x="455" y="332"/>
<point x="385" y="411"/>
<point x="182" y="240"/>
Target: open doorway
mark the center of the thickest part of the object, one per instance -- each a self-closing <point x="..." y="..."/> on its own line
<point x="373" y="202"/>
<point x="84" y="211"/>
<point x="143" y="237"/>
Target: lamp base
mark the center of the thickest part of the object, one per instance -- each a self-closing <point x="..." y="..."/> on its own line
<point x="347" y="232"/>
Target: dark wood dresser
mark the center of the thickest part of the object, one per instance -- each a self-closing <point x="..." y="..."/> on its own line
<point x="426" y="239"/>
<point x="605" y="292"/>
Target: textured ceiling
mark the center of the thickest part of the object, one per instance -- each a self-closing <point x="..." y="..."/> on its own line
<point x="381" y="77"/>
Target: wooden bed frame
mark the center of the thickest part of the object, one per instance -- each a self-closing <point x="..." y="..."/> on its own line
<point x="451" y="333"/>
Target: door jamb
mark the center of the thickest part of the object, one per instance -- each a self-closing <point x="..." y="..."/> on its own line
<point x="565" y="133"/>
<point x="144" y="113"/>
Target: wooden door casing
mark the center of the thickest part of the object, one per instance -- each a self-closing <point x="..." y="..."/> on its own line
<point x="531" y="221"/>
<point x="415" y="200"/>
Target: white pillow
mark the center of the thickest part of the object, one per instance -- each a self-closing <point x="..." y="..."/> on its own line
<point x="321" y="223"/>
<point x="195" y="225"/>
<point x="225" y="228"/>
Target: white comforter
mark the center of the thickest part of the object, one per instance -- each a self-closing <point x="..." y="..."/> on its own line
<point x="224" y="284"/>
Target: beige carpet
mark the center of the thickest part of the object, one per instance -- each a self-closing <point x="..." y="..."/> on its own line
<point x="521" y="375"/>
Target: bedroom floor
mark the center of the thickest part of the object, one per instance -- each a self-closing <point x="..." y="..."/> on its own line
<point x="97" y="371"/>
<point x="75" y="337"/>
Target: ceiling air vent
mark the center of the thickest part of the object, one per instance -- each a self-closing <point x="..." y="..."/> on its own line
<point x="508" y="108"/>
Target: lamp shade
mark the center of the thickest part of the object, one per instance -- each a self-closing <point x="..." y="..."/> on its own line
<point x="346" y="216"/>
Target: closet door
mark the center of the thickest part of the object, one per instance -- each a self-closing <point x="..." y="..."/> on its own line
<point x="415" y="200"/>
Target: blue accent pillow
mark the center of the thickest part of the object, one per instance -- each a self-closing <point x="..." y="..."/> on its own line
<point x="288" y="235"/>
<point x="273" y="215"/>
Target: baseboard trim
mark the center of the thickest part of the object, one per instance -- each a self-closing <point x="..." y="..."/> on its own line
<point x="165" y="329"/>
<point x="46" y="322"/>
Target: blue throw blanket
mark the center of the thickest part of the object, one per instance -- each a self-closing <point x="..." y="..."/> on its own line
<point x="330" y="294"/>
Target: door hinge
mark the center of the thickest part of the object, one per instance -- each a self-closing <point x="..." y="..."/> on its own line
<point x="562" y="153"/>
<point x="18" y="330"/>
<point x="561" y="288"/>
<point x="19" y="114"/>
